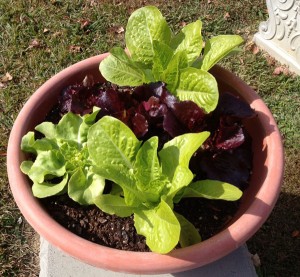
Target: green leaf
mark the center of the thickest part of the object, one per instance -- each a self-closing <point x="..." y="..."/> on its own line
<point x="88" y="121"/>
<point x="30" y="145"/>
<point x="188" y="234"/>
<point x="112" y="149"/>
<point x="189" y="40"/>
<point x="75" y="155"/>
<point x="160" y="227"/>
<point x="113" y="204"/>
<point x="26" y="166"/>
<point x="179" y="151"/>
<point x="171" y="75"/>
<point x="213" y="189"/>
<point x="47" y="129"/>
<point x="68" y="127"/>
<point x="198" y="86"/>
<point x="147" y="171"/>
<point x="162" y="56"/>
<point x="217" y="48"/>
<point x="144" y="26"/>
<point x="175" y="157"/>
<point x="45" y="189"/>
<point x="27" y="143"/>
<point x="111" y="143"/>
<point x="48" y="163"/>
<point x="182" y="178"/>
<point x="119" y="69"/>
<point x="85" y="187"/>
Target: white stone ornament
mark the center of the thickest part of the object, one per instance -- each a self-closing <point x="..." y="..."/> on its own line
<point x="280" y="34"/>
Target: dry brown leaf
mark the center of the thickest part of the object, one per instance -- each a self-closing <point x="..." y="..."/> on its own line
<point x="46" y="31"/>
<point x="120" y="30"/>
<point x="34" y="44"/>
<point x="270" y="60"/>
<point x="255" y="49"/>
<point x="56" y="34"/>
<point x="256" y="260"/>
<point x="226" y="16"/>
<point x="296" y="234"/>
<point x="286" y="71"/>
<point x="6" y="78"/>
<point x="278" y="70"/>
<point x="84" y="23"/>
<point x="182" y="24"/>
<point x="75" y="49"/>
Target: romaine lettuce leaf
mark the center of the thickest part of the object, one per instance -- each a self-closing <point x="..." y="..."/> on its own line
<point x="217" y="48"/>
<point x="113" y="204"/>
<point x="145" y="26"/>
<point x="189" y="40"/>
<point x="198" y="86"/>
<point x="160" y="226"/>
<point x="213" y="189"/>
<point x="119" y="69"/>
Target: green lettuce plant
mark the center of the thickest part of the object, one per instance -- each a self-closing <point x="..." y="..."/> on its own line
<point x="78" y="154"/>
<point x="154" y="53"/>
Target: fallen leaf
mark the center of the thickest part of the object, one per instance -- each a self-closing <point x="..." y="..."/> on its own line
<point x="84" y="23"/>
<point x="270" y="60"/>
<point x="226" y="15"/>
<point x="182" y="23"/>
<point x="120" y="30"/>
<point x="46" y="31"/>
<point x="34" y="44"/>
<point x="116" y="29"/>
<point x="6" y="78"/>
<point x="20" y="220"/>
<point x="278" y="70"/>
<point x="296" y="234"/>
<point x="88" y="81"/>
<point x="75" y="49"/>
<point x="286" y="71"/>
<point x="255" y="49"/>
<point x="56" y="34"/>
<point x="93" y="3"/>
<point x="256" y="260"/>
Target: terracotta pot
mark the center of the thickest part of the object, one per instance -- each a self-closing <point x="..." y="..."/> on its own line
<point x="256" y="205"/>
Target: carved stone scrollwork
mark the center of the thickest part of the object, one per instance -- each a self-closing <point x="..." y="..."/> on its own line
<point x="283" y="25"/>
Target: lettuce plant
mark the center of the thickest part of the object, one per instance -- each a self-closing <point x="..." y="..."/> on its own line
<point x="155" y="54"/>
<point x="79" y="153"/>
<point x="77" y="156"/>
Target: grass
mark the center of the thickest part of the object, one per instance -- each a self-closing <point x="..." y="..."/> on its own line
<point x="40" y="38"/>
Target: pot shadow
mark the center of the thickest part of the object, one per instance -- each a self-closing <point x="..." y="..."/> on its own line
<point x="237" y="262"/>
<point x="277" y="242"/>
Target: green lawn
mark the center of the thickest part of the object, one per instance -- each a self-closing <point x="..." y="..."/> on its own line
<point x="40" y="38"/>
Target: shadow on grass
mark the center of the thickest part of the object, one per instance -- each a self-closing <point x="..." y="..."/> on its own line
<point x="277" y="242"/>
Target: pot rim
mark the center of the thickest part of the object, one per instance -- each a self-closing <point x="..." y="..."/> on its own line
<point x="183" y="259"/>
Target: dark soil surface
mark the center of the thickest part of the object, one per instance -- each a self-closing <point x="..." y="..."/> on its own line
<point x="209" y="217"/>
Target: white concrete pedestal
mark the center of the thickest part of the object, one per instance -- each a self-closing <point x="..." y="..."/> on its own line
<point x="55" y="263"/>
<point x="280" y="34"/>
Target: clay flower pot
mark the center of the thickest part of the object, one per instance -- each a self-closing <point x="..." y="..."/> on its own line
<point x="256" y="204"/>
